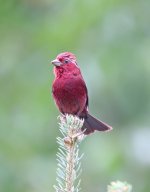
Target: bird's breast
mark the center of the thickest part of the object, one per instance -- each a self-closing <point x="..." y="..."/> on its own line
<point x="70" y="94"/>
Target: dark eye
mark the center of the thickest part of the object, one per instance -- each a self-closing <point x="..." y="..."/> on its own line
<point x="66" y="61"/>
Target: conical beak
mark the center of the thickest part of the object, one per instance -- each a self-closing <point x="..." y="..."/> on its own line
<point x="56" y="62"/>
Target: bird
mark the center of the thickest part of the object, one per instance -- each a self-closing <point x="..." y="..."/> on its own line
<point x="70" y="92"/>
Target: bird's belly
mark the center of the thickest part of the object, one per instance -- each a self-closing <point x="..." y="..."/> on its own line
<point x="70" y="99"/>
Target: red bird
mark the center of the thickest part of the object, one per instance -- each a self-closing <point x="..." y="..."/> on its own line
<point x="70" y="92"/>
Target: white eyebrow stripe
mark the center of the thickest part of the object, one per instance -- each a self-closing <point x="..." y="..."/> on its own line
<point x="76" y="64"/>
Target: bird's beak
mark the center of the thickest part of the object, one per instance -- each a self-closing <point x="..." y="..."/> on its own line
<point x="56" y="62"/>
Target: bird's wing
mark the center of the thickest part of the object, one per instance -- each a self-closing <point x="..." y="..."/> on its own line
<point x="87" y="99"/>
<point x="86" y="91"/>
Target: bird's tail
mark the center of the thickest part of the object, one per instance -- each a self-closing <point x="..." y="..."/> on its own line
<point x="91" y="124"/>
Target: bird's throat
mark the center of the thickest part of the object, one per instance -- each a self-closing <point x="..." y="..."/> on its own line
<point x="58" y="72"/>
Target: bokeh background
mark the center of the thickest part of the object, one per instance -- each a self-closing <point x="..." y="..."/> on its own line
<point x="111" y="39"/>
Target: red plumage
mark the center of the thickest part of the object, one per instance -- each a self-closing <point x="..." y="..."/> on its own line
<point x="70" y="92"/>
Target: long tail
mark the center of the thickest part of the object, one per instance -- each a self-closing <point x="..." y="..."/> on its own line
<point x="91" y="124"/>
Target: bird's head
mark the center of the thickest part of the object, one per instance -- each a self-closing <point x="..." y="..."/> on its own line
<point x="64" y="58"/>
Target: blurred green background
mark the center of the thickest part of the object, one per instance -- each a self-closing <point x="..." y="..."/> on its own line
<point x="111" y="39"/>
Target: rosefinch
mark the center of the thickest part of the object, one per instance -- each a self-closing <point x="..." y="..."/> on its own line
<point x="70" y="92"/>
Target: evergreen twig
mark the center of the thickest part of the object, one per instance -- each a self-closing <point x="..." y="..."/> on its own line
<point x="68" y="158"/>
<point x="119" y="186"/>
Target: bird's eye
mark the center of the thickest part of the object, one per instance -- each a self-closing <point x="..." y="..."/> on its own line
<point x="66" y="61"/>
